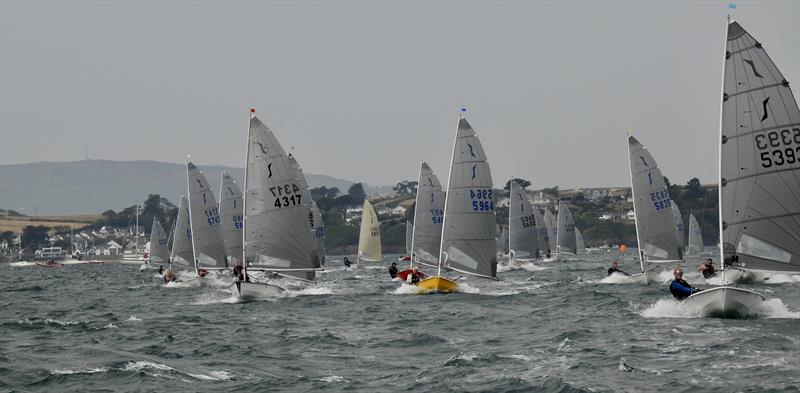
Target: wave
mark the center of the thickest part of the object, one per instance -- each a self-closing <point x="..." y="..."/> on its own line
<point x="333" y="379"/>
<point x="309" y="291"/>
<point x="133" y="318"/>
<point x="782" y="279"/>
<point x="22" y="264"/>
<point x="671" y="308"/>
<point x="70" y="371"/>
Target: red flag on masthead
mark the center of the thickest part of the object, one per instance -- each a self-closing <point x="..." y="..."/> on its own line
<point x="252" y="110"/>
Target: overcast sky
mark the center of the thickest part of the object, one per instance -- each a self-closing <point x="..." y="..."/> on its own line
<point x="365" y="90"/>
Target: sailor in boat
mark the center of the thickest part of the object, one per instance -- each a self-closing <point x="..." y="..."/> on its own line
<point x="202" y="273"/>
<point x="615" y="269"/>
<point x="393" y="270"/>
<point x="416" y="276"/>
<point x="237" y="270"/>
<point x="170" y="277"/>
<point x="680" y="288"/>
<point x="548" y="253"/>
<point x="160" y="269"/>
<point x="346" y="262"/>
<point x="708" y="269"/>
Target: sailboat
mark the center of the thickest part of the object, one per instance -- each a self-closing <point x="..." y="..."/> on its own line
<point x="695" y="236"/>
<point x="230" y="214"/>
<point x="181" y="256"/>
<point x="468" y="244"/>
<point x="277" y="202"/>
<point x="315" y="226"/>
<point x="565" y="232"/>
<point x="759" y="168"/>
<point x="208" y="247"/>
<point x="159" y="253"/>
<point x="369" y="239"/>
<point x="135" y="258"/>
<point x="579" y="245"/>
<point x="523" y="242"/>
<point x="679" y="227"/>
<point x="543" y="234"/>
<point x="551" y="225"/>
<point x="426" y="236"/>
<point x="656" y="231"/>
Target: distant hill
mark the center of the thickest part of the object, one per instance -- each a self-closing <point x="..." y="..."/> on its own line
<point x="92" y="186"/>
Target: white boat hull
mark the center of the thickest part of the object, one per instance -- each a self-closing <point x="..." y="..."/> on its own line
<point x="644" y="278"/>
<point x="726" y="302"/>
<point x="247" y="291"/>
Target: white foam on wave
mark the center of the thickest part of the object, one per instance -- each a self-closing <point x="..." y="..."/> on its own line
<point x="133" y="318"/>
<point x="519" y="265"/>
<point x="405" y="289"/>
<point x="143" y="365"/>
<point x="775" y="309"/>
<point x="214" y="298"/>
<point x="22" y="264"/>
<point x="671" y="308"/>
<point x="69" y="371"/>
<point x="310" y="291"/>
<point x="615" y="278"/>
<point x="333" y="379"/>
<point x="466" y="288"/>
<point x="213" y="376"/>
<point x="110" y="326"/>
<point x="782" y="279"/>
<point x="517" y="357"/>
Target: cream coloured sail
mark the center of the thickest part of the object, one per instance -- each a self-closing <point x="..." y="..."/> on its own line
<point x="655" y="219"/>
<point x="565" y="230"/>
<point x="159" y="253"/>
<point x="679" y="227"/>
<point x="523" y="240"/>
<point x="695" y="236"/>
<point x="230" y="213"/>
<point x="369" y="239"/>
<point x="428" y="216"/>
<point x="181" y="254"/>
<point x="209" y="247"/>
<point x="277" y="206"/>
<point x="759" y="160"/>
<point x="468" y="244"/>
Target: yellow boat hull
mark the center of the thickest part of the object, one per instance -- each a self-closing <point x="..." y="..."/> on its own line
<point x="436" y="285"/>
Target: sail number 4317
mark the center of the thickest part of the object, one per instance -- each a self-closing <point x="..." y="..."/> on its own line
<point x="286" y="195"/>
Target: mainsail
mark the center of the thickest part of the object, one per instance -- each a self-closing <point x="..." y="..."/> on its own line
<point x="209" y="248"/>
<point x="409" y="235"/>
<point x="759" y="160"/>
<point x="468" y="244"/>
<point x="159" y="253"/>
<point x="543" y="233"/>
<point x="551" y="226"/>
<point x="579" y="245"/>
<point x="182" y="239"/>
<point x="680" y="231"/>
<point x="318" y="228"/>
<point x="428" y="216"/>
<point x="277" y="204"/>
<point x="565" y="230"/>
<point x="655" y="219"/>
<point x="369" y="239"/>
<point x="523" y="241"/>
<point x="230" y="213"/>
<point x="695" y="236"/>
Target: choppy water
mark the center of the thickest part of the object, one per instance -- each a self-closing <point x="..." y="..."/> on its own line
<point x="561" y="329"/>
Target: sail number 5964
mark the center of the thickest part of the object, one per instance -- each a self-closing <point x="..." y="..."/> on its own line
<point x="481" y="200"/>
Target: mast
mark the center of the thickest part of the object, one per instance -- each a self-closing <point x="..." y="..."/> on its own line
<point x="444" y="218"/>
<point x="719" y="141"/>
<point x="191" y="222"/>
<point x="175" y="224"/>
<point x="244" y="195"/>
<point x="558" y="233"/>
<point x="136" y="234"/>
<point x="416" y="211"/>
<point x="635" y="218"/>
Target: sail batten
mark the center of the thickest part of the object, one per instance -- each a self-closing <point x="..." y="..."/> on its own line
<point x="468" y="233"/>
<point x="759" y="160"/>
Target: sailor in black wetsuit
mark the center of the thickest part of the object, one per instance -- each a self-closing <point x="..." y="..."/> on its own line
<point x="346" y="262"/>
<point x="679" y="288"/>
<point x="615" y="269"/>
<point x="393" y="270"/>
<point x="708" y="269"/>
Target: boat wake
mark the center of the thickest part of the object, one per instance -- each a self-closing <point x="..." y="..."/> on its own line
<point x="519" y="265"/>
<point x="21" y="264"/>
<point x="671" y="308"/>
<point x="782" y="279"/>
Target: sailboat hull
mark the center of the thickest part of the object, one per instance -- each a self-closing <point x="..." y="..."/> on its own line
<point x="248" y="291"/>
<point x="644" y="278"/>
<point x="726" y="302"/>
<point x="436" y="285"/>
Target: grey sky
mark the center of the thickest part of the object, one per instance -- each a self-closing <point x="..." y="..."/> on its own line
<point x="365" y="90"/>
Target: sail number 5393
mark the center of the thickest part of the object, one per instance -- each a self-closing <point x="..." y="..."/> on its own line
<point x="778" y="148"/>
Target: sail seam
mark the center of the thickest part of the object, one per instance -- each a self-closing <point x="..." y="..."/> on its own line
<point x="754" y="89"/>
<point x="762" y="130"/>
<point x="763" y="218"/>
<point x="735" y="179"/>
<point x="743" y="49"/>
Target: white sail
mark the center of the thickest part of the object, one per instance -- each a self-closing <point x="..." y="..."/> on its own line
<point x="230" y="213"/>
<point x="680" y="231"/>
<point x="579" y="245"/>
<point x="428" y="216"/>
<point x="182" y="255"/>
<point x="314" y="219"/>
<point x="468" y="243"/>
<point x="209" y="248"/>
<point x="523" y="240"/>
<point x="759" y="160"/>
<point x="565" y="230"/>
<point x="277" y="206"/>
<point x="695" y="236"/>
<point x="369" y="239"/>
<point x="159" y="253"/>
<point x="552" y="226"/>
<point x="543" y="233"/>
<point x="655" y="219"/>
